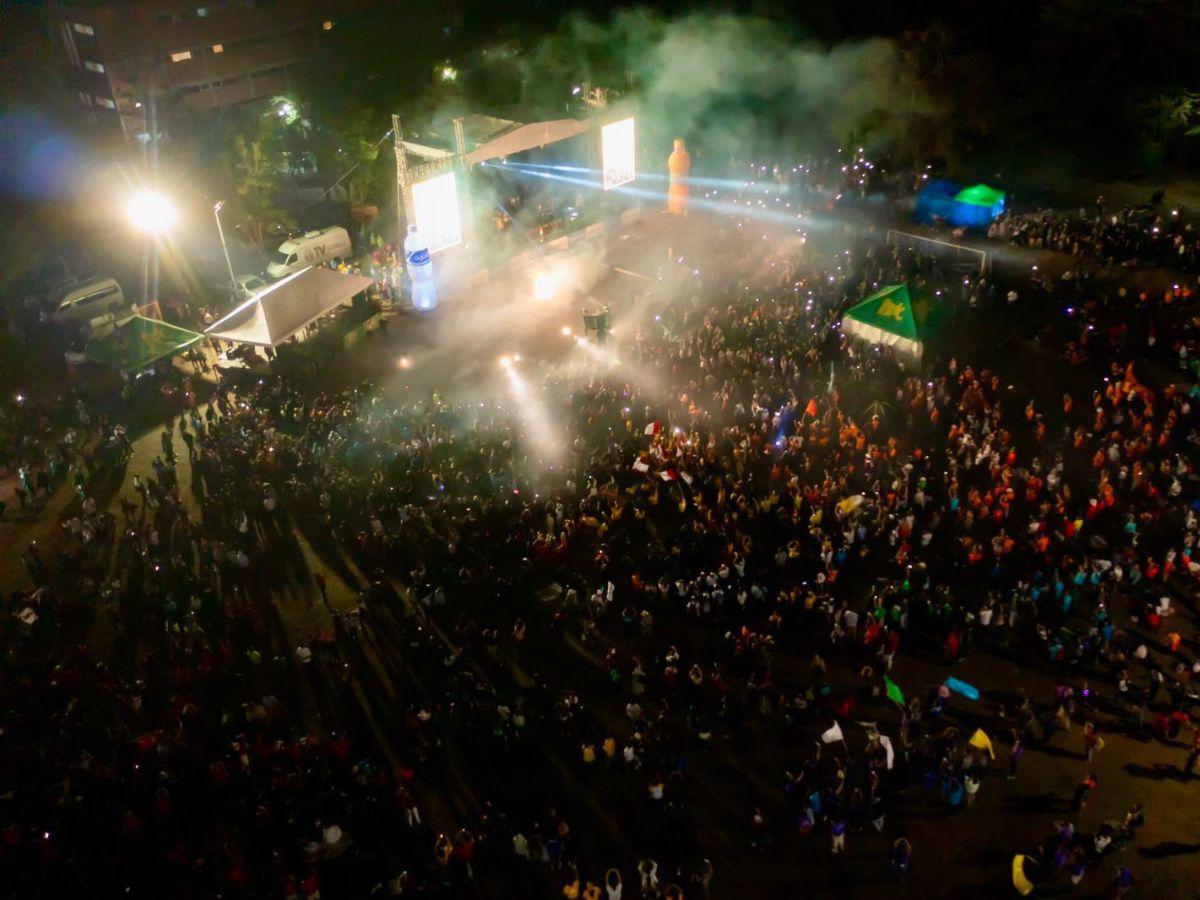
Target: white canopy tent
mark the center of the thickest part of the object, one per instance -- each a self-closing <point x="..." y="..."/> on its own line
<point x="273" y="315"/>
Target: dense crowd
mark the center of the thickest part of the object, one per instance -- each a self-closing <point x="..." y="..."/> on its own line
<point x="1151" y="235"/>
<point x="531" y="628"/>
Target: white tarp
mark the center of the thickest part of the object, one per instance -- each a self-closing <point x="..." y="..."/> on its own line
<point x="901" y="345"/>
<point x="273" y="315"/>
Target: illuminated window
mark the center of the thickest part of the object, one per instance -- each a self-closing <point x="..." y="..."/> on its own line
<point x="94" y="66"/>
<point x="327" y="25"/>
<point x="218" y="48"/>
<point x="83" y="29"/>
<point x="106" y="103"/>
<point x="181" y="56"/>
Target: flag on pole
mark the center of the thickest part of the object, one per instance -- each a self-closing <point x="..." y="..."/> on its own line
<point x="981" y="741"/>
<point x="668" y="475"/>
<point x="893" y="691"/>
<point x="653" y="428"/>
<point x="967" y="690"/>
<point x="833" y="735"/>
<point x="641" y="466"/>
<point x="811" y="409"/>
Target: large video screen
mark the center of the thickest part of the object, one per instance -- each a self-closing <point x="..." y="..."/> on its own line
<point x="619" y="153"/>
<point x="436" y="204"/>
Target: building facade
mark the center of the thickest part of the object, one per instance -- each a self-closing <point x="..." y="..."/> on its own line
<point x="202" y="54"/>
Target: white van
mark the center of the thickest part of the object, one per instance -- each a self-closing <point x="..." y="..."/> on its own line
<point x="86" y="301"/>
<point x="310" y="249"/>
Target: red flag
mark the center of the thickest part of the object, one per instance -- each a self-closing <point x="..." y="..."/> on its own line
<point x="668" y="475"/>
<point x="811" y="409"/>
<point x="653" y="428"/>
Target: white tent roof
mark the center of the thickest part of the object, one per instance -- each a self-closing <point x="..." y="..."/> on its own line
<point x="273" y="315"/>
<point x="903" y="347"/>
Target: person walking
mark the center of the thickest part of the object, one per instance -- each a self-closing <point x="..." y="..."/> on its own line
<point x="1193" y="754"/>
<point x="971" y="787"/>
<point x="837" y="831"/>
<point x="1014" y="755"/>
<point x="901" y="855"/>
<point x="1082" y="791"/>
<point x="1091" y="741"/>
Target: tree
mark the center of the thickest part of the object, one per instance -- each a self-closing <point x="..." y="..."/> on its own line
<point x="255" y="176"/>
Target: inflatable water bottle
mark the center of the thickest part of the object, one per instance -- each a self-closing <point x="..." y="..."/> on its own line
<point x="420" y="271"/>
<point x="679" y="164"/>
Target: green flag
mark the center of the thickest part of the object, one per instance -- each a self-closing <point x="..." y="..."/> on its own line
<point x="893" y="691"/>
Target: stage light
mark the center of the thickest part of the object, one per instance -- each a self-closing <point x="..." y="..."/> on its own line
<point x="404" y="363"/>
<point x="506" y="362"/>
<point x="545" y="285"/>
<point x="566" y="331"/>
<point x="516" y="357"/>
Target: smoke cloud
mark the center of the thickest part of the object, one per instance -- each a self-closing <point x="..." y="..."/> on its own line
<point x="736" y="86"/>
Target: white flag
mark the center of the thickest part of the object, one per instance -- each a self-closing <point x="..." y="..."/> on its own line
<point x="833" y="735"/>
<point x="891" y="751"/>
<point x="639" y="466"/>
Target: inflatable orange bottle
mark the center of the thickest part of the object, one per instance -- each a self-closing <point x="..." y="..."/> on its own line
<point x="679" y="164"/>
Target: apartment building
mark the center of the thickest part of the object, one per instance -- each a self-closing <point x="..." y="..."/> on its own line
<point x="200" y="54"/>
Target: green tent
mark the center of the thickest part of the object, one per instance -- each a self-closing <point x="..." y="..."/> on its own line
<point x="979" y="195"/>
<point x="977" y="206"/>
<point x="139" y="343"/>
<point x="897" y="317"/>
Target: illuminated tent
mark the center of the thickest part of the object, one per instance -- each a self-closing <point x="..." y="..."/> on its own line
<point x="973" y="207"/>
<point x="273" y="315"/>
<point x="138" y="343"/>
<point x="936" y="201"/>
<point x="977" y="206"/>
<point x="895" y="317"/>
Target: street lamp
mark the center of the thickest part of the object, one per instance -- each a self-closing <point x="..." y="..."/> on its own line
<point x="154" y="214"/>
<point x="225" y="248"/>
<point x="151" y="212"/>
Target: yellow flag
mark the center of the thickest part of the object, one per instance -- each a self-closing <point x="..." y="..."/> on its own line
<point x="1023" y="885"/>
<point x="983" y="742"/>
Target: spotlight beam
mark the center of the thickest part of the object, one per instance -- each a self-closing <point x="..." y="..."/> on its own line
<point x="717" y="206"/>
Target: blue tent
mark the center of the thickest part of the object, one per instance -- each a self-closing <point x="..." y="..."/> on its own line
<point x="973" y="207"/>
<point x="936" y="200"/>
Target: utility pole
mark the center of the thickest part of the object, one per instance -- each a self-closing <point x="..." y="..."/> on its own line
<point x="225" y="248"/>
<point x="404" y="201"/>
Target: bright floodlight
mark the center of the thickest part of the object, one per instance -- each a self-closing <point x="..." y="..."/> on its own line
<point x="506" y="361"/>
<point x="544" y="286"/>
<point x="566" y="330"/>
<point x="151" y="211"/>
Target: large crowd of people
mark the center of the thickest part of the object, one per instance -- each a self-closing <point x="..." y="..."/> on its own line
<point x="752" y="523"/>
